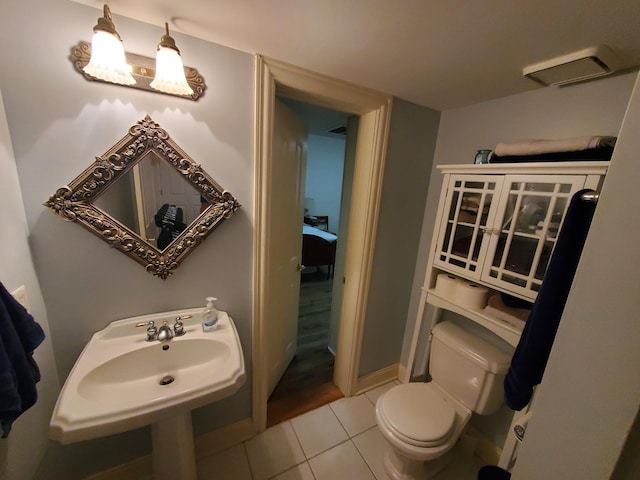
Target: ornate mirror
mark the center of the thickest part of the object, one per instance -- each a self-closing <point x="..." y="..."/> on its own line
<point x="146" y="198"/>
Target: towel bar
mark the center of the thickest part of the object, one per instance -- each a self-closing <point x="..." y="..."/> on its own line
<point x="590" y="197"/>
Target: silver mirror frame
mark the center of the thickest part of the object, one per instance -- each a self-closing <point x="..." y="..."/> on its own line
<point x="74" y="202"/>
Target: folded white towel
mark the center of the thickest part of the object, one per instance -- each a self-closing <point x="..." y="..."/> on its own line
<point x="504" y="316"/>
<point x="537" y="147"/>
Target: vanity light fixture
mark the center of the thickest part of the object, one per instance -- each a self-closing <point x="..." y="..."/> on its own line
<point x="165" y="74"/>
<point x="169" y="69"/>
<point x="108" y="62"/>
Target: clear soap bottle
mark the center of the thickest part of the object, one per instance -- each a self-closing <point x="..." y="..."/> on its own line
<point x="210" y="317"/>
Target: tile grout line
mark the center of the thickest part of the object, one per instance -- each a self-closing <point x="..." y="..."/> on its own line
<point x="306" y="459"/>
<point x="367" y="430"/>
<point x="327" y="449"/>
<point x="344" y="428"/>
<point x="246" y="456"/>
<point x="291" y="468"/>
<point x="364" y="459"/>
<point x="351" y="438"/>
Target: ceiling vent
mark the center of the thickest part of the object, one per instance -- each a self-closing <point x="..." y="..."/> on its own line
<point x="574" y="67"/>
<point x="339" y="130"/>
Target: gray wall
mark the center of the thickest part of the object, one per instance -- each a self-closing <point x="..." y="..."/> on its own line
<point x="590" y="392"/>
<point x="58" y="123"/>
<point x="412" y="139"/>
<point x="325" y="164"/>
<point x="16" y="269"/>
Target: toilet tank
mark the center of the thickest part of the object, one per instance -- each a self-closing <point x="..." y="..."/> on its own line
<point x="467" y="367"/>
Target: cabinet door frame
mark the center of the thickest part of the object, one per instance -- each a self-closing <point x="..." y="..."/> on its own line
<point x="479" y="233"/>
<point x="527" y="292"/>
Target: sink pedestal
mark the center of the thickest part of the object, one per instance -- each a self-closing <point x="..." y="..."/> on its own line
<point x="173" y="450"/>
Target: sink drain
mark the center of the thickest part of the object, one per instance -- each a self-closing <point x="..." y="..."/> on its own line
<point x="167" y="380"/>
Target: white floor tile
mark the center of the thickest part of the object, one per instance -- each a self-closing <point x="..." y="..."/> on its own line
<point x="318" y="430"/>
<point x="299" y="472"/>
<point x="372" y="447"/>
<point x="356" y="414"/>
<point x="341" y="463"/>
<point x="231" y="464"/>
<point x="374" y="394"/>
<point x="273" y="451"/>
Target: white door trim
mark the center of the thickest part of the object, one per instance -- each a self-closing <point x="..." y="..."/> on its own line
<point x="374" y="109"/>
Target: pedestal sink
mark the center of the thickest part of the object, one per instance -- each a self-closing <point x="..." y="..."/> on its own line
<point x="121" y="381"/>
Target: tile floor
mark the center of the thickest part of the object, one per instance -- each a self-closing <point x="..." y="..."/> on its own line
<point x="334" y="442"/>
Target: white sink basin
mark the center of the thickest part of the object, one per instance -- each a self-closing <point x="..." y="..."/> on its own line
<point x="116" y="383"/>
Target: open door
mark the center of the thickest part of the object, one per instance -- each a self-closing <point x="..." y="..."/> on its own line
<point x="374" y="109"/>
<point x="284" y="255"/>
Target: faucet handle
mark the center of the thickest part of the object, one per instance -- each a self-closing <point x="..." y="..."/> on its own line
<point x="152" y="330"/>
<point x="150" y="323"/>
<point x="178" y="327"/>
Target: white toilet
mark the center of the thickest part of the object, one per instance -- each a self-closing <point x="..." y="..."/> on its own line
<point x="423" y="421"/>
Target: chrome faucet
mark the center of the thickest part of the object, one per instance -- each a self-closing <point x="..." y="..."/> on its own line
<point x="164" y="333"/>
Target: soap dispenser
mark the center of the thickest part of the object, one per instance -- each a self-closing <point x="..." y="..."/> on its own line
<point x="210" y="317"/>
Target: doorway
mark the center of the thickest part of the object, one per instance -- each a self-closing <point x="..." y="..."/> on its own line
<point x="307" y="383"/>
<point x="373" y="108"/>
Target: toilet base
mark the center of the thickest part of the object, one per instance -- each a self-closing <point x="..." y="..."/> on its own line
<point x="400" y="467"/>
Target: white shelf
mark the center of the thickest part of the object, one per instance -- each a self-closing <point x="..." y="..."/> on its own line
<point x="546" y="168"/>
<point x="509" y="333"/>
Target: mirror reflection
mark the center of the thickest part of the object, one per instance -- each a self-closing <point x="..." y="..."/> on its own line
<point x="147" y="198"/>
<point x="153" y="200"/>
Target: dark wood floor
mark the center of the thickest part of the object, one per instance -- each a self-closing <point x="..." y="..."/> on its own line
<point x="307" y="384"/>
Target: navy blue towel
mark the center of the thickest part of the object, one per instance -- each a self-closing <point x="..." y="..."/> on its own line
<point x="19" y="337"/>
<point x="532" y="352"/>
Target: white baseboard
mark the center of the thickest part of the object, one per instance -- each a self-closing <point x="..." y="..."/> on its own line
<point x="488" y="451"/>
<point x="218" y="440"/>
<point x="206" y="444"/>
<point x="377" y="378"/>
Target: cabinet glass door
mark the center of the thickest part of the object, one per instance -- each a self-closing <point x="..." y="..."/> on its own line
<point x="531" y="212"/>
<point x="468" y="211"/>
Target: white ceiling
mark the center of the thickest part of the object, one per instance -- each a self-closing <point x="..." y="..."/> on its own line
<point x="437" y="53"/>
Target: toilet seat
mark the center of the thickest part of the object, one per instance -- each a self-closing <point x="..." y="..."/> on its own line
<point x="418" y="414"/>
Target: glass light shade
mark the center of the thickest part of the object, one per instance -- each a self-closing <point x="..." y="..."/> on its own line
<point x="108" y="61"/>
<point x="170" y="73"/>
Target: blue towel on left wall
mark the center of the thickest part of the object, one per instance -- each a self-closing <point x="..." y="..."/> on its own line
<point x="19" y="337"/>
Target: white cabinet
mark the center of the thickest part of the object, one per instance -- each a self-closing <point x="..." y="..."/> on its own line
<point x="500" y="230"/>
<point x="497" y="226"/>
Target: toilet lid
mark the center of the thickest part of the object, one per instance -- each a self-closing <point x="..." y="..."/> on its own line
<point x="419" y="414"/>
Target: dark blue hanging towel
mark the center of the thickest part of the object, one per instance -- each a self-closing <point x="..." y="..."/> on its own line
<point x="532" y="352"/>
<point x="19" y="337"/>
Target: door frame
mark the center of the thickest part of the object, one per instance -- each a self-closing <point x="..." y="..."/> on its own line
<point x="374" y="108"/>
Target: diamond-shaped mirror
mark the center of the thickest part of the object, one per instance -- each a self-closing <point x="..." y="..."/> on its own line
<point x="146" y="198"/>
